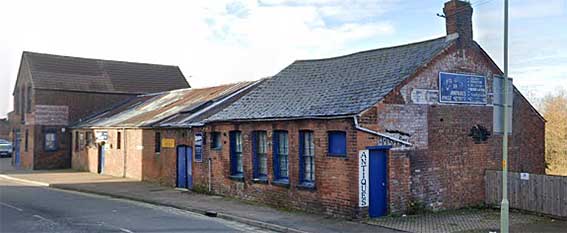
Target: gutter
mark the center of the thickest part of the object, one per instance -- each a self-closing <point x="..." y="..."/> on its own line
<point x="366" y="130"/>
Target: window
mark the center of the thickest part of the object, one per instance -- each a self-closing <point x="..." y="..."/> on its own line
<point x="50" y="142"/>
<point x="89" y="138"/>
<point x="26" y="140"/>
<point x="29" y="99"/>
<point x="157" y="142"/>
<point x="236" y="167"/>
<point x="216" y="141"/>
<point x="337" y="143"/>
<point x="118" y="140"/>
<point x="76" y="141"/>
<point x="306" y="158"/>
<point x="82" y="140"/>
<point x="260" y="155"/>
<point x="281" y="152"/>
<point x="199" y="141"/>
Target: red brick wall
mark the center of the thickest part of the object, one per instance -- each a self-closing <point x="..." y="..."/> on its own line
<point x="447" y="166"/>
<point x="336" y="185"/>
<point x="81" y="104"/>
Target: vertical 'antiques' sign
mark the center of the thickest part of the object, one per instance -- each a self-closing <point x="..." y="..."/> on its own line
<point x="462" y="88"/>
<point x="363" y="182"/>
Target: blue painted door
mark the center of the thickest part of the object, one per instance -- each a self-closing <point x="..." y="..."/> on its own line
<point x="189" y="154"/>
<point x="182" y="167"/>
<point x="378" y="183"/>
<point x="101" y="159"/>
<point x="16" y="148"/>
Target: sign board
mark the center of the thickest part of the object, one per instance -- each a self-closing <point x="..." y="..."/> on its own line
<point x="498" y="104"/>
<point x="50" y="115"/>
<point x="363" y="182"/>
<point x="462" y="88"/>
<point x="524" y="176"/>
<point x="101" y="136"/>
<point x="198" y="146"/>
<point x="168" y="143"/>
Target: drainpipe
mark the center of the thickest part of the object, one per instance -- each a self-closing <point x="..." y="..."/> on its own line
<point x="125" y="151"/>
<point x="358" y="127"/>
<point x="209" y="159"/>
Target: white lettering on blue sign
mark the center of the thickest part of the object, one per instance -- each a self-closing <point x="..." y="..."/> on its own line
<point x="462" y="88"/>
<point x="363" y="182"/>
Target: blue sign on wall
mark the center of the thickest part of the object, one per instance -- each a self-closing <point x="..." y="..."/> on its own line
<point x="462" y="88"/>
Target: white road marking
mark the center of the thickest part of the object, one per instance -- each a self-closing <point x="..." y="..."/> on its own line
<point x="11" y="206"/>
<point x="126" y="230"/>
<point x="44" y="219"/>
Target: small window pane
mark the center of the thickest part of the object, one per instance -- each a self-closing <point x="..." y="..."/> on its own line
<point x="337" y="143"/>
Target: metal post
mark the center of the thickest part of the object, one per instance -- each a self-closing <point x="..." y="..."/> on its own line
<point x="504" y="207"/>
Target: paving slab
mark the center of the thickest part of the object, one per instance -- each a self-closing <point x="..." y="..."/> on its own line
<point x="470" y="220"/>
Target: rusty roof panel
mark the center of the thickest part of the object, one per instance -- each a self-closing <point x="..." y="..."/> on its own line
<point x="150" y="109"/>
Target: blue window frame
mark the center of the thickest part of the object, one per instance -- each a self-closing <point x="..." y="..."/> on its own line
<point x="199" y="141"/>
<point x="306" y="159"/>
<point x="337" y="143"/>
<point x="50" y="140"/>
<point x="236" y="168"/>
<point x="281" y="156"/>
<point x="260" y="147"/>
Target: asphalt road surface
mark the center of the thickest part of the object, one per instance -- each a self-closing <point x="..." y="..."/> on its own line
<point x="27" y="208"/>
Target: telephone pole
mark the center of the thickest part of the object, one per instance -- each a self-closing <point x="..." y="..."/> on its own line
<point x="504" y="207"/>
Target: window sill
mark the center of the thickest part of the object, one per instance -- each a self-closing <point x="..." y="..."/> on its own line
<point x="281" y="182"/>
<point x="237" y="177"/>
<point x="261" y="180"/>
<point x="216" y="149"/>
<point x="337" y="155"/>
<point x="307" y="186"/>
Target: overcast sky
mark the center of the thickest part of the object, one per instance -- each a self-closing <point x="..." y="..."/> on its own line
<point x="224" y="41"/>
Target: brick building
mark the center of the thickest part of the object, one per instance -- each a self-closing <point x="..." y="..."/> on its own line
<point x="140" y="138"/>
<point x="359" y="135"/>
<point x="53" y="91"/>
<point x="421" y="112"/>
<point x="4" y="129"/>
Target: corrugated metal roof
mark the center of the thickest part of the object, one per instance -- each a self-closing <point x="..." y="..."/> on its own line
<point x="338" y="86"/>
<point x="151" y="109"/>
<point x="56" y="72"/>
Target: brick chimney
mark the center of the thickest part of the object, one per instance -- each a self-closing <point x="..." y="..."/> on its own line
<point x="458" y="18"/>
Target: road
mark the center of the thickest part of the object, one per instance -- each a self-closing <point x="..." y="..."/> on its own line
<point x="28" y="208"/>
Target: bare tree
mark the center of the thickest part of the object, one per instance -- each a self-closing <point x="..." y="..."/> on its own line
<point x="554" y="108"/>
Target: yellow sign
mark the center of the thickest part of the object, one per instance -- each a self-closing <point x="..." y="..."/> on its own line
<point x="503" y="163"/>
<point x="168" y="143"/>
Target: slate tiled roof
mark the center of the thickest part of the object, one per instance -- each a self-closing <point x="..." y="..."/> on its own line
<point x="57" y="72"/>
<point x="337" y="86"/>
<point x="151" y="109"/>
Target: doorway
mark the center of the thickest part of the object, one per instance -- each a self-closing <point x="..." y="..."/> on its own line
<point x="16" y="147"/>
<point x="101" y="152"/>
<point x="184" y="167"/>
<point x="378" y="175"/>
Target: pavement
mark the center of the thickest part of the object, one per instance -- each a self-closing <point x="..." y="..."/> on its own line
<point x="471" y="220"/>
<point x="256" y="215"/>
<point x="226" y="208"/>
<point x="31" y="208"/>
